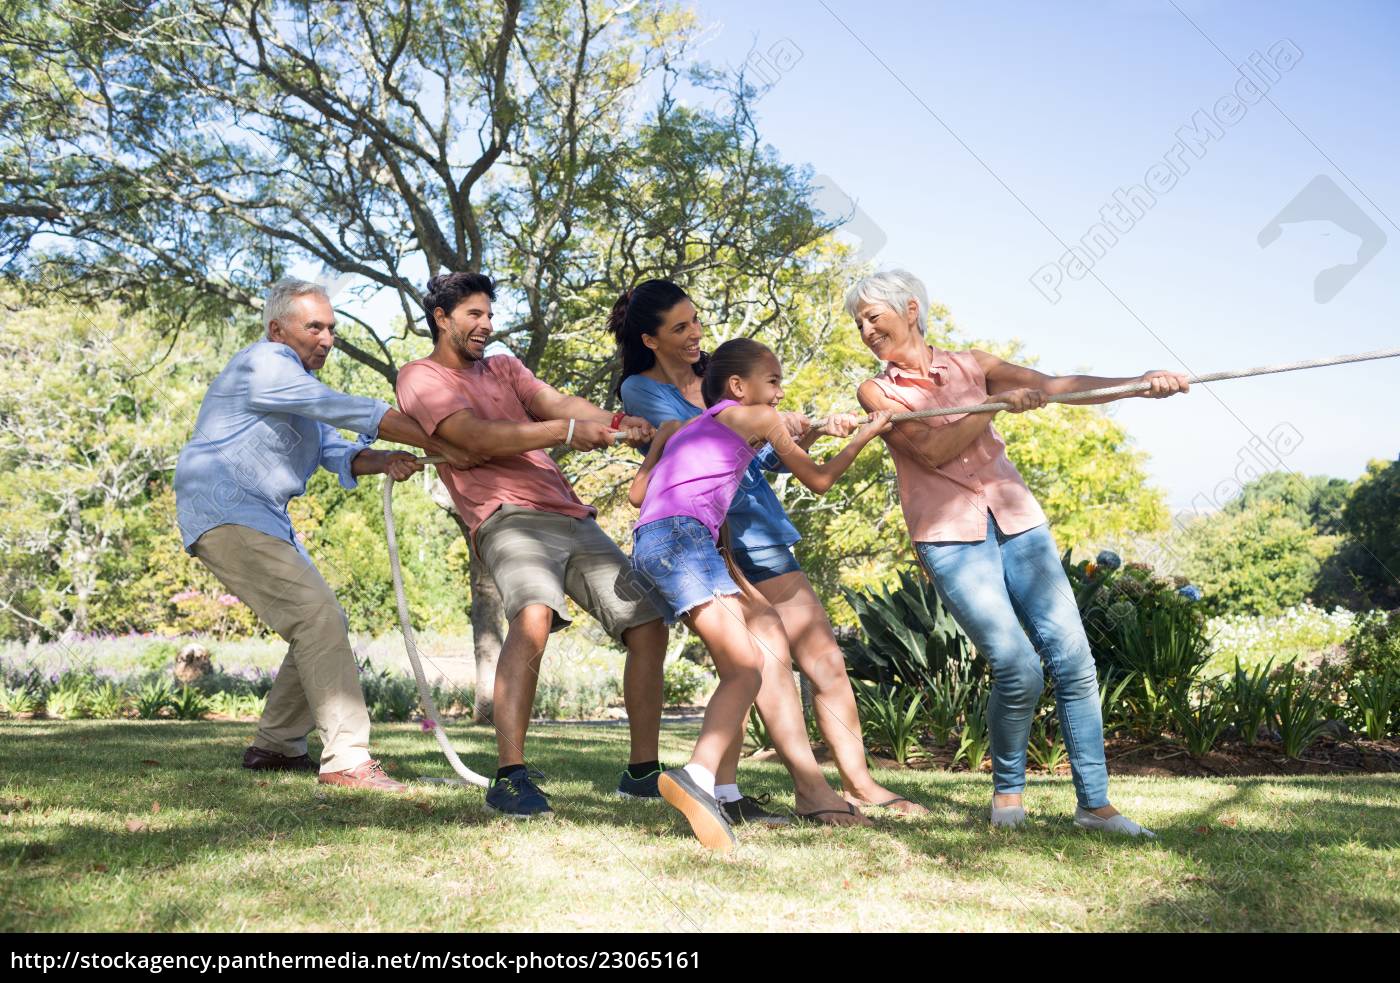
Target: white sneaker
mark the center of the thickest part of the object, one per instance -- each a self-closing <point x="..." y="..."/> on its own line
<point x="1085" y="819"/>
<point x="1008" y="817"/>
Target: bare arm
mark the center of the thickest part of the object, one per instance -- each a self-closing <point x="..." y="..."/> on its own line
<point x="637" y="493"/>
<point x="1003" y="376"/>
<point x="764" y="422"/>
<point x="550" y="404"/>
<point x="503" y="438"/>
<point x="403" y="429"/>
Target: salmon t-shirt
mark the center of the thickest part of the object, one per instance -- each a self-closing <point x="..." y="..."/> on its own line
<point x="499" y="387"/>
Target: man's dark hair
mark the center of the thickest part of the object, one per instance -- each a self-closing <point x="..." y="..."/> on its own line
<point x="450" y="289"/>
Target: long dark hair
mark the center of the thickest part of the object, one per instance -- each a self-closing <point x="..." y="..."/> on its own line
<point x="737" y="356"/>
<point x="637" y="312"/>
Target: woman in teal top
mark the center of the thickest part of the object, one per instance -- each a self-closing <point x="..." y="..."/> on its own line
<point x="659" y="334"/>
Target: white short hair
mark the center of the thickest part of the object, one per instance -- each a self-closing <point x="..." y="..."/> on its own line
<point x="894" y="289"/>
<point x="280" y="297"/>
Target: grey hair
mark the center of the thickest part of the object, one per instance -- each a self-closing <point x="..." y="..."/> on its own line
<point x="278" y="303"/>
<point x="894" y="289"/>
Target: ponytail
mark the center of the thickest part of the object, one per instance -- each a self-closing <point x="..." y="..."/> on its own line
<point x="637" y="312"/>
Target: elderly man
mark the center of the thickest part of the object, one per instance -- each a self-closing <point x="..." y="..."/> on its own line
<point x="264" y="427"/>
<point x="530" y="529"/>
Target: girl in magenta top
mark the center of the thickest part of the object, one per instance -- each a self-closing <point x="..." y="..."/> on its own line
<point x="684" y="488"/>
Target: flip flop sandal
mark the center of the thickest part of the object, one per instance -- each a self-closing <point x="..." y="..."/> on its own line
<point x="850" y="810"/>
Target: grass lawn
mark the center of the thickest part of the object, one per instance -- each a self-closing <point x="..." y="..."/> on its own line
<point x="151" y="826"/>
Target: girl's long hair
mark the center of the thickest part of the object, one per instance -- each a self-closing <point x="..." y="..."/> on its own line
<point x="637" y="312"/>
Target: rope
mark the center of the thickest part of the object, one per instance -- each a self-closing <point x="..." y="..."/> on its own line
<point x="425" y="692"/>
<point x="1134" y="387"/>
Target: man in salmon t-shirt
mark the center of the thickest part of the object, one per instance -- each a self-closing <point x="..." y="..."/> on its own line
<point x="529" y="528"/>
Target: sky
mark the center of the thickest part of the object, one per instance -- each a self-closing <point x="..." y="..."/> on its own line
<point x="979" y="141"/>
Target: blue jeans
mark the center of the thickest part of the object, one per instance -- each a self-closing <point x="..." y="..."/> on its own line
<point x="1010" y="595"/>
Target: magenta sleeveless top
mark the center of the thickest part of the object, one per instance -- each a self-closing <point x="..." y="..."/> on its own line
<point x="699" y="472"/>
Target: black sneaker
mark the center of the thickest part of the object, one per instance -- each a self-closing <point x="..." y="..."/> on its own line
<point x="639" y="788"/>
<point x="750" y="810"/>
<point x="518" y="796"/>
<point x="701" y="810"/>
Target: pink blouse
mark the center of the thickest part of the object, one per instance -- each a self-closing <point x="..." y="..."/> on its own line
<point x="950" y="503"/>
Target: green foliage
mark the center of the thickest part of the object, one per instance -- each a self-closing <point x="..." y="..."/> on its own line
<point x="189" y="704"/>
<point x="16" y="701"/>
<point x="950" y="693"/>
<point x="70" y="697"/>
<point x="1254" y="560"/>
<point x="1198" y="718"/>
<point x="159" y="656"/>
<point x="976" y="738"/>
<point x="389" y="696"/>
<point x="1148" y="639"/>
<point x="154" y="699"/>
<point x="890" y="716"/>
<point x="108" y="701"/>
<point x="1373" y="554"/>
<point x="1298" y="709"/>
<point x="1375" y="643"/>
<point x="1375" y="700"/>
<point x="683" y="682"/>
<point x="1317" y="502"/>
<point x="908" y="638"/>
<point x="1249" y="694"/>
<point x="1302" y="633"/>
<point x="755" y="733"/>
<point x="1046" y="749"/>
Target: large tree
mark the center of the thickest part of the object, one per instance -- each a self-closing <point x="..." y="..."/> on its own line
<point x="181" y="155"/>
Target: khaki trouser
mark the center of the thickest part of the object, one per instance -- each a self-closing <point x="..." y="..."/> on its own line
<point x="318" y="684"/>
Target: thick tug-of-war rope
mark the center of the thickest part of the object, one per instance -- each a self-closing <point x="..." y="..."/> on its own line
<point x="425" y="693"/>
<point x="1134" y="387"/>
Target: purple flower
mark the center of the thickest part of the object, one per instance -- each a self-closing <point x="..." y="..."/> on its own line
<point x="427" y="725"/>
<point x="228" y="600"/>
<point x="185" y="595"/>
<point x="1191" y="592"/>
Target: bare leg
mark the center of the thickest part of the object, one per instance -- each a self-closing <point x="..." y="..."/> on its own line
<point x="814" y="646"/>
<point x="781" y="709"/>
<point x="641" y="688"/>
<point x="517" y="676"/>
<point x="720" y="625"/>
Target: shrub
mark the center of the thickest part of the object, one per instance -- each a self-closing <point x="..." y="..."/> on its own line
<point x="108" y="702"/>
<point x="891" y="716"/>
<point x="1375" y="700"/>
<point x="909" y="637"/>
<point x="158" y="656"/>
<point x="1375" y="643"/>
<point x="153" y="699"/>
<point x="1249" y="694"/>
<point x="756" y="734"/>
<point x="189" y="704"/>
<point x="1199" y="718"/>
<point x="976" y="738"/>
<point x="18" y="701"/>
<point x="1047" y="749"/>
<point x="1298" y="709"/>
<point x="683" y="682"/>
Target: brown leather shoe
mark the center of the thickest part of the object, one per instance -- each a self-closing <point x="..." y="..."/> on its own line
<point x="368" y="775"/>
<point x="261" y="759"/>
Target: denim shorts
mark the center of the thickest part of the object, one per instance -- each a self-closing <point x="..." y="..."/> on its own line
<point x="765" y="562"/>
<point x="679" y="565"/>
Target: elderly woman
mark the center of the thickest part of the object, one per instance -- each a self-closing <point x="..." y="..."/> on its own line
<point x="984" y="540"/>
